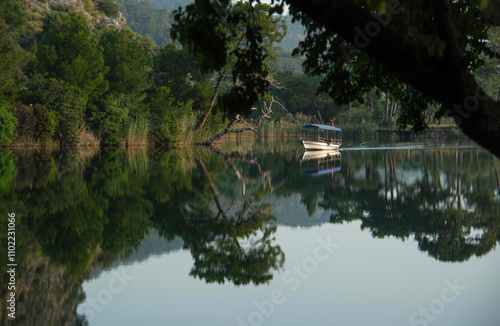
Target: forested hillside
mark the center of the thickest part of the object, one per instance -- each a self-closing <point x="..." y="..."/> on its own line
<point x="145" y="19"/>
<point x="80" y="77"/>
<point x="154" y="18"/>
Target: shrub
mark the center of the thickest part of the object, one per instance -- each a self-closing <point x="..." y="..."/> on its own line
<point x="44" y="123"/>
<point x="7" y="124"/>
<point x="110" y="116"/>
<point x="64" y="108"/>
<point x="166" y="115"/>
<point x="109" y="7"/>
<point x="25" y="119"/>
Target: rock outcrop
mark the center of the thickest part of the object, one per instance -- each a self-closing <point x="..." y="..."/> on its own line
<point x="89" y="8"/>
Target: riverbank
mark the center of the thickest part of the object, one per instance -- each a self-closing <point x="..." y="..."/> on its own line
<point x="286" y="127"/>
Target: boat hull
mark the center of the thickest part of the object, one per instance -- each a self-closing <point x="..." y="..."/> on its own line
<point x="315" y="145"/>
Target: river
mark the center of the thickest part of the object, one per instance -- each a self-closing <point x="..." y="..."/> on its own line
<point x="255" y="233"/>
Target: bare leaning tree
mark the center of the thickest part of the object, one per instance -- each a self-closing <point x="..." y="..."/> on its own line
<point x="266" y="111"/>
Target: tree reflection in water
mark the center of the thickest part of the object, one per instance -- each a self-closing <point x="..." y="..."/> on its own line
<point x="78" y="210"/>
<point x="448" y="205"/>
<point x="235" y="247"/>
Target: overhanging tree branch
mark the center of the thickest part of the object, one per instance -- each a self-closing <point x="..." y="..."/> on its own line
<point x="266" y="113"/>
<point x="445" y="79"/>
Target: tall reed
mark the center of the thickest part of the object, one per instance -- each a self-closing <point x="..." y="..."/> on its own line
<point x="137" y="133"/>
<point x="88" y="138"/>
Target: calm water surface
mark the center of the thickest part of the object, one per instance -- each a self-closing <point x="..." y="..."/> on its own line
<point x="255" y="233"/>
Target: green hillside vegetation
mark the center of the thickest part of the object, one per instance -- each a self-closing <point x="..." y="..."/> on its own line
<point x="288" y="63"/>
<point x="68" y="80"/>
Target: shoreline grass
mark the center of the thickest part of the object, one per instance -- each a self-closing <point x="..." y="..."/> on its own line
<point x="288" y="127"/>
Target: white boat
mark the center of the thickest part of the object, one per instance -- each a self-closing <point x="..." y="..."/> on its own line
<point x="320" y="137"/>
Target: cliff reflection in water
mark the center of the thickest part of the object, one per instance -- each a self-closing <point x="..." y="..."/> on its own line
<point x="79" y="210"/>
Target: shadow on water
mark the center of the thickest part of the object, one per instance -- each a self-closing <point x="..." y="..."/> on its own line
<point x="78" y="211"/>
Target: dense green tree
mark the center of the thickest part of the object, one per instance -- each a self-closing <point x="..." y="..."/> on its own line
<point x="109" y="7"/>
<point x="149" y="45"/>
<point x="70" y="52"/>
<point x="129" y="63"/>
<point x="44" y="122"/>
<point x="35" y="122"/>
<point x="298" y="94"/>
<point x="7" y="124"/>
<point x="63" y="100"/>
<point x="489" y="75"/>
<point x="25" y="121"/>
<point x="237" y="40"/>
<point x="176" y="69"/>
<point x="109" y="118"/>
<point x="165" y="116"/>
<point x="13" y="57"/>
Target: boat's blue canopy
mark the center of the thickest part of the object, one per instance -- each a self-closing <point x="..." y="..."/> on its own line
<point x="320" y="127"/>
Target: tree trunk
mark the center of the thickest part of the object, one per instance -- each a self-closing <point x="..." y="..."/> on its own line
<point x="228" y="129"/>
<point x="218" y="85"/>
<point x="220" y="133"/>
<point x="392" y="109"/>
<point x="320" y="118"/>
<point x="386" y="106"/>
<point x="231" y="166"/>
<point x="212" y="187"/>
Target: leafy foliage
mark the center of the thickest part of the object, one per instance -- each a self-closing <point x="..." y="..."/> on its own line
<point x="127" y="59"/>
<point x="175" y="68"/>
<point x="235" y="37"/>
<point x="44" y="122"/>
<point x="69" y="52"/>
<point x="64" y="101"/>
<point x="7" y="124"/>
<point x="13" y="57"/>
<point x="110" y="115"/>
<point x="349" y="73"/>
<point x="109" y="7"/>
<point x="166" y="114"/>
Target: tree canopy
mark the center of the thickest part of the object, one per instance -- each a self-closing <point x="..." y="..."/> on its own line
<point x="236" y="38"/>
<point x="68" y="51"/>
<point x="420" y="52"/>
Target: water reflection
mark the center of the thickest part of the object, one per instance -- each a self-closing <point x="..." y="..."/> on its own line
<point x="317" y="163"/>
<point x="230" y="243"/>
<point x="446" y="199"/>
<point x="79" y="210"/>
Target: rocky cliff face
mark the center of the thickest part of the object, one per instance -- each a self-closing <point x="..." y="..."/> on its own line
<point x="89" y="8"/>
